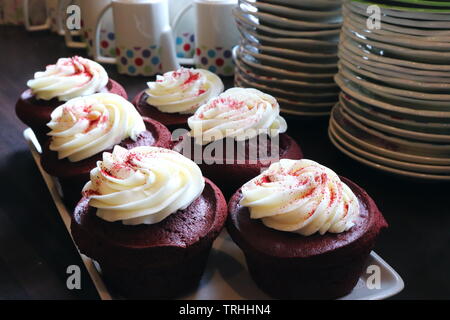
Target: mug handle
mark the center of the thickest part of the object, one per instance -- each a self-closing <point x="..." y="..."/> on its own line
<point x="169" y="61"/>
<point x="174" y="24"/>
<point x="97" y="56"/>
<point x="59" y="24"/>
<point x="68" y="37"/>
<point x="28" y="26"/>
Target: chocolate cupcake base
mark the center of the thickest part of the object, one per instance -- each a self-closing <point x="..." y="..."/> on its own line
<point x="286" y="265"/>
<point x="156" y="261"/>
<point x="165" y="282"/>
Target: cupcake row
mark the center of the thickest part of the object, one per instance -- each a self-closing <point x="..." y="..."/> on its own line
<point x="148" y="202"/>
<point x="77" y="113"/>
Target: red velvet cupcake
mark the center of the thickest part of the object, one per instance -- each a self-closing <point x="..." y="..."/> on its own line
<point x="306" y="233"/>
<point x="175" y="96"/>
<point x="149" y="218"/>
<point x="235" y="136"/>
<point x="68" y="78"/>
<point x="83" y="128"/>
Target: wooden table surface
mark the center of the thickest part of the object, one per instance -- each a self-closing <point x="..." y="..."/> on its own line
<point x="35" y="248"/>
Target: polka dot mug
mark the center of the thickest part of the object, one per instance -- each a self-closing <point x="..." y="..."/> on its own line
<point x="184" y="32"/>
<point x="89" y="12"/>
<point x="215" y="35"/>
<point x="144" y="45"/>
<point x="54" y="16"/>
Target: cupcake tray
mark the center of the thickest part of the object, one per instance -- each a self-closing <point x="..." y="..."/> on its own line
<point x="226" y="276"/>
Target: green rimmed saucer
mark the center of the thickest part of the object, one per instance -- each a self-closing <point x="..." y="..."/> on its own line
<point x="442" y="7"/>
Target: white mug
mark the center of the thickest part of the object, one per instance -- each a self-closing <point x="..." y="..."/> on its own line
<point x="216" y="34"/>
<point x="144" y="40"/>
<point x="90" y="10"/>
<point x="55" y="13"/>
<point x="184" y="32"/>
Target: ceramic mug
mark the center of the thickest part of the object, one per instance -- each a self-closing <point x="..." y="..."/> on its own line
<point x="184" y="32"/>
<point x="215" y="35"/>
<point x="54" y="11"/>
<point x="90" y="9"/>
<point x="144" y="40"/>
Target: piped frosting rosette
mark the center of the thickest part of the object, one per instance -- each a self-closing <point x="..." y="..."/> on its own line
<point x="85" y="126"/>
<point x="69" y="78"/>
<point x="301" y="196"/>
<point x="183" y="90"/>
<point x="143" y="185"/>
<point x="239" y="113"/>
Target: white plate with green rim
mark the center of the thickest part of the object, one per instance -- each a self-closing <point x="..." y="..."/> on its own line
<point x="425" y="3"/>
<point x="387" y="146"/>
<point x="441" y="10"/>
<point x="407" y="113"/>
<point x="413" y="42"/>
<point x="404" y="12"/>
<point x="380" y="48"/>
<point x="386" y="27"/>
<point x="417" y="105"/>
<point x="362" y="50"/>
<point x="403" y="165"/>
<point x="393" y="91"/>
<point x="394" y="154"/>
<point x="395" y="131"/>
<point x="395" y="143"/>
<point x="385" y="117"/>
<point x="392" y="70"/>
<point x="394" y="82"/>
<point x="398" y="172"/>
<point x="400" y="167"/>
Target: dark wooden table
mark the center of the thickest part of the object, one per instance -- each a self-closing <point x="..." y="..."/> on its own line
<point x="35" y="248"/>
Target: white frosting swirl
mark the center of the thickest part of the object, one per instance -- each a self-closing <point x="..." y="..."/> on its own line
<point x="183" y="90"/>
<point x="143" y="185"/>
<point x="301" y="196"/>
<point x="85" y="126"/>
<point x="69" y="78"/>
<point x="239" y="113"/>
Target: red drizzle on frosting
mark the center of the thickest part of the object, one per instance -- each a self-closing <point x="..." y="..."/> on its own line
<point x="79" y="66"/>
<point x="264" y="179"/>
<point x="94" y="123"/>
<point x="192" y="77"/>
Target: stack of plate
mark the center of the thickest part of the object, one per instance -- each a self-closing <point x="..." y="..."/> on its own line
<point x="289" y="50"/>
<point x="394" y="109"/>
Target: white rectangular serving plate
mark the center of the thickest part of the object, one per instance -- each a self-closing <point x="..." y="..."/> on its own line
<point x="226" y="276"/>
